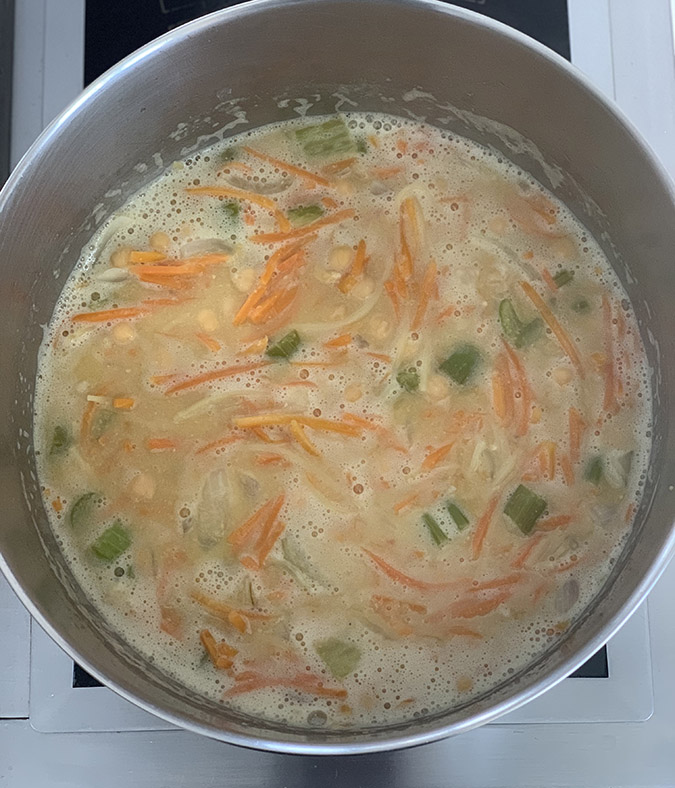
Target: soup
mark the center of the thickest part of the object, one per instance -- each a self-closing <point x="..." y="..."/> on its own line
<point x="342" y="421"/>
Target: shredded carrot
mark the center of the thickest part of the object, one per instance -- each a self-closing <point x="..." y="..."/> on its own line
<point x="433" y="458"/>
<point x="354" y="272"/>
<point x="383" y="173"/>
<point x="464" y="632"/>
<point x="339" y="166"/>
<point x="303" y="682"/>
<point x="300" y="436"/>
<point x="123" y="403"/>
<point x="219" y="443"/>
<point x="212" y="344"/>
<point x="525" y="401"/>
<point x="104" y="315"/>
<point x="220" y="653"/>
<point x="561" y="335"/>
<point x="551" y="523"/>
<point x="498" y="582"/>
<point x="137" y="256"/>
<point x="547" y="451"/>
<point x="500" y="396"/>
<point x="380" y="357"/>
<point x="258" y="293"/>
<point x="567" y="470"/>
<point x="234" y="194"/>
<point x="577" y="428"/>
<point x="329" y="202"/>
<point x="390" y="289"/>
<point x="521" y="558"/>
<point x="236" y="165"/>
<point x="255" y="538"/>
<point x="550" y="281"/>
<point x="277" y="419"/>
<point x="171" y="621"/>
<point x="403" y="579"/>
<point x="405" y="502"/>
<point x="271" y="459"/>
<point x="609" y="403"/>
<point x="428" y="290"/>
<point x="284" y="165"/>
<point x="482" y="527"/>
<point x="160" y="444"/>
<point x="470" y="607"/>
<point x="307" y="229"/>
<point x="630" y="511"/>
<point x="57" y="505"/>
<point x="173" y="283"/>
<point x="342" y="341"/>
<point x="216" y="374"/>
<point x="224" y="612"/>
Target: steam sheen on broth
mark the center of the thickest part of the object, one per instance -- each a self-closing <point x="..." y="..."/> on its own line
<point x="342" y="421"/>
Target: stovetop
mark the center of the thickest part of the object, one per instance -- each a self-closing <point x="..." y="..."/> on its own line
<point x="613" y="725"/>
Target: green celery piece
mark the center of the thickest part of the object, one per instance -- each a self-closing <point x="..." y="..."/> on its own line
<point x="519" y="333"/>
<point x="437" y="533"/>
<point x="525" y="507"/>
<point x="563" y="277"/>
<point x="81" y="510"/>
<point x="100" y="423"/>
<point x="326" y="139"/>
<point x="408" y="379"/>
<point x="61" y="441"/>
<point x="581" y="306"/>
<point x="231" y="208"/>
<point x="511" y="323"/>
<point x="458" y="516"/>
<point x="286" y="346"/>
<point x="460" y="364"/>
<point x="304" y="214"/>
<point x="339" y="656"/>
<point x="361" y="146"/>
<point x="112" y="543"/>
<point x="529" y="333"/>
<point x="594" y="470"/>
<point x="229" y="154"/>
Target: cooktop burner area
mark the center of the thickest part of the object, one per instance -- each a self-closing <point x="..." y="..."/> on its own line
<point x="137" y="23"/>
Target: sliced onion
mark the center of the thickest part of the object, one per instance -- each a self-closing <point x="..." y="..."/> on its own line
<point x="205" y="246"/>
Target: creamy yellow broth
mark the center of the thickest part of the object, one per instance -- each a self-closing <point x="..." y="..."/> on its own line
<point x="342" y="421"/>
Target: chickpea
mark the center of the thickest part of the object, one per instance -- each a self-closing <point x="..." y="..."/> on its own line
<point x="208" y="320"/>
<point x="123" y="333"/>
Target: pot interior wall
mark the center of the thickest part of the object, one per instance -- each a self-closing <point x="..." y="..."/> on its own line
<point x="220" y="76"/>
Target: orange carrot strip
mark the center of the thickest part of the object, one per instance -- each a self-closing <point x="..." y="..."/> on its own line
<point x="123" y="403"/>
<point x="277" y="419"/>
<point x="433" y="458"/>
<point x="303" y="682"/>
<point x="482" y="527"/>
<point x="160" y="444"/>
<point x="550" y="281"/>
<point x="577" y="428"/>
<point x="103" y="316"/>
<point x="351" y="276"/>
<point x="216" y="374"/>
<point x="567" y="470"/>
<point x="561" y="335"/>
<point x="302" y="439"/>
<point x="330" y="203"/>
<point x="241" y="534"/>
<point x="271" y="459"/>
<point x="219" y="443"/>
<point x="284" y="165"/>
<point x="390" y="289"/>
<point x="254" y="540"/>
<point x="383" y="173"/>
<point x="222" y="610"/>
<point x="403" y="579"/>
<point x="209" y="342"/>
<point x="473" y="608"/>
<point x="300" y="232"/>
<point x="428" y="290"/>
<point x="380" y="357"/>
<point x="500" y="397"/>
<point x="525" y="391"/>
<point x="630" y="511"/>
<point x="339" y="166"/>
<point x="220" y="653"/>
<point x="137" y="256"/>
<point x="233" y="194"/>
<point x="520" y="559"/>
<point x="464" y="632"/>
<point x="174" y="283"/>
<point x="551" y="523"/>
<point x="609" y="403"/>
<point x="341" y="341"/>
<point x="171" y="621"/>
<point x="498" y="582"/>
<point x="405" y="502"/>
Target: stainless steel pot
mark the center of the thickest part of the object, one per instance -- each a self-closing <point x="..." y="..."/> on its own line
<point x="269" y="60"/>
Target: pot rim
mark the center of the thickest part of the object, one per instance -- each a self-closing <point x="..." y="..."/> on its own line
<point x="397" y="740"/>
